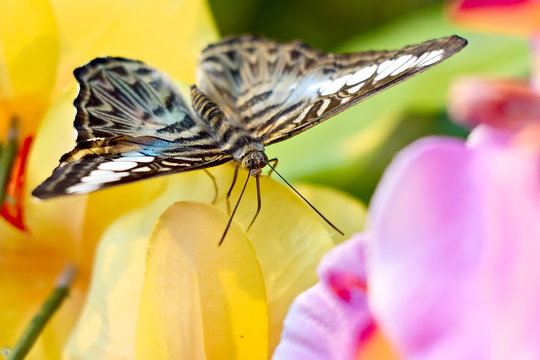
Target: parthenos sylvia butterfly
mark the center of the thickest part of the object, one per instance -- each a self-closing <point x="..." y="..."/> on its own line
<point x="133" y="123"/>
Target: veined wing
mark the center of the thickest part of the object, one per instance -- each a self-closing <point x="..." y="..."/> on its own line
<point x="279" y="90"/>
<point x="97" y="164"/>
<point x="132" y="124"/>
<point x="121" y="96"/>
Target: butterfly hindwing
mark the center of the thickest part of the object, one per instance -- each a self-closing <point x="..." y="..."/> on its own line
<point x="279" y="90"/>
<point x="252" y="79"/>
<point x="97" y="164"/>
<point x="132" y="124"/>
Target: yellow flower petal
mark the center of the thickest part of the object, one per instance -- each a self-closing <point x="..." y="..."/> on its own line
<point x="29" y="48"/>
<point x="74" y="223"/>
<point x="58" y="220"/>
<point x="289" y="239"/>
<point x="343" y="210"/>
<point x="106" y="328"/>
<point x="168" y="34"/>
<point x="199" y="300"/>
<point x="286" y="243"/>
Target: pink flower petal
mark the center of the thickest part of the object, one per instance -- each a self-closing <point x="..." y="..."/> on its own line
<point x="454" y="262"/>
<point x="507" y="16"/>
<point x="504" y="104"/>
<point x="331" y="320"/>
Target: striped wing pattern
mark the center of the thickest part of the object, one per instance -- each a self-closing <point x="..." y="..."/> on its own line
<point x="279" y="90"/>
<point x="132" y="124"/>
<point x="120" y="96"/>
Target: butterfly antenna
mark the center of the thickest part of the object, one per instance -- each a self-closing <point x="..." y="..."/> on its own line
<point x="234" y="211"/>
<point x="258" y="185"/>
<point x="306" y="200"/>
<point x="259" y="202"/>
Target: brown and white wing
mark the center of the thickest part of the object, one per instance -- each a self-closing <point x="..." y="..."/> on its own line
<point x="279" y="90"/>
<point x="132" y="124"/>
<point x="120" y="96"/>
<point x="98" y="164"/>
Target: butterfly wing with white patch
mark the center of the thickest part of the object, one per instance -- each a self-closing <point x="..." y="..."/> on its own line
<point x="132" y="124"/>
<point x="279" y="90"/>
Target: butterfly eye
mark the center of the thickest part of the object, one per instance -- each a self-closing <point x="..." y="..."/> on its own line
<point x="255" y="161"/>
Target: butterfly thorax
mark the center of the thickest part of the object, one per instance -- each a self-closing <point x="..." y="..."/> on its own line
<point x="232" y="137"/>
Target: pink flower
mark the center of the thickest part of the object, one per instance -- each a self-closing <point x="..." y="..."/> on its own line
<point x="454" y="272"/>
<point x="451" y="253"/>
<point x="332" y="319"/>
<point x="452" y="259"/>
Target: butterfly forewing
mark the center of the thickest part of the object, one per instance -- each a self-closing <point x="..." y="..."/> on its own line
<point x="279" y="90"/>
<point x="132" y="124"/>
<point x="127" y="97"/>
<point x="253" y="79"/>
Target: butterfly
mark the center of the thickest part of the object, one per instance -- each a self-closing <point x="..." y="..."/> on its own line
<point x="133" y="123"/>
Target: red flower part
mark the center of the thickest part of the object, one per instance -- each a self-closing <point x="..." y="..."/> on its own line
<point x="345" y="285"/>
<point x="12" y="209"/>
<point x="506" y="16"/>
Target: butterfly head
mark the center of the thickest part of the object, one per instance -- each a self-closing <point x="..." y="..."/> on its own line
<point x="254" y="161"/>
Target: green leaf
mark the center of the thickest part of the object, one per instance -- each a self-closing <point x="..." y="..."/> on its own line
<point x="7" y="156"/>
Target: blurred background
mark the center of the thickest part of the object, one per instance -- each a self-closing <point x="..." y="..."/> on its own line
<point x="321" y="23"/>
<point x="351" y="150"/>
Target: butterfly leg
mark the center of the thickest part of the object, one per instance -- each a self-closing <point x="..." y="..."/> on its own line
<point x="228" y="196"/>
<point x="212" y="177"/>
<point x="274" y="162"/>
<point x="257" y="182"/>
<point x="235" y="208"/>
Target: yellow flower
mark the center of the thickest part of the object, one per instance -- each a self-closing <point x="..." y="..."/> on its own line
<point x="160" y="285"/>
<point x="29" y="50"/>
<point x="40" y="44"/>
<point x="166" y="290"/>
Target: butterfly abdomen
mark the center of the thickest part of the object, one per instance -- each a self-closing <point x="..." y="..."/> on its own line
<point x="206" y="108"/>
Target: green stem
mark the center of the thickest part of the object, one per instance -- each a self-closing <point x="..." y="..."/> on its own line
<point x="39" y="321"/>
<point x="6" y="158"/>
